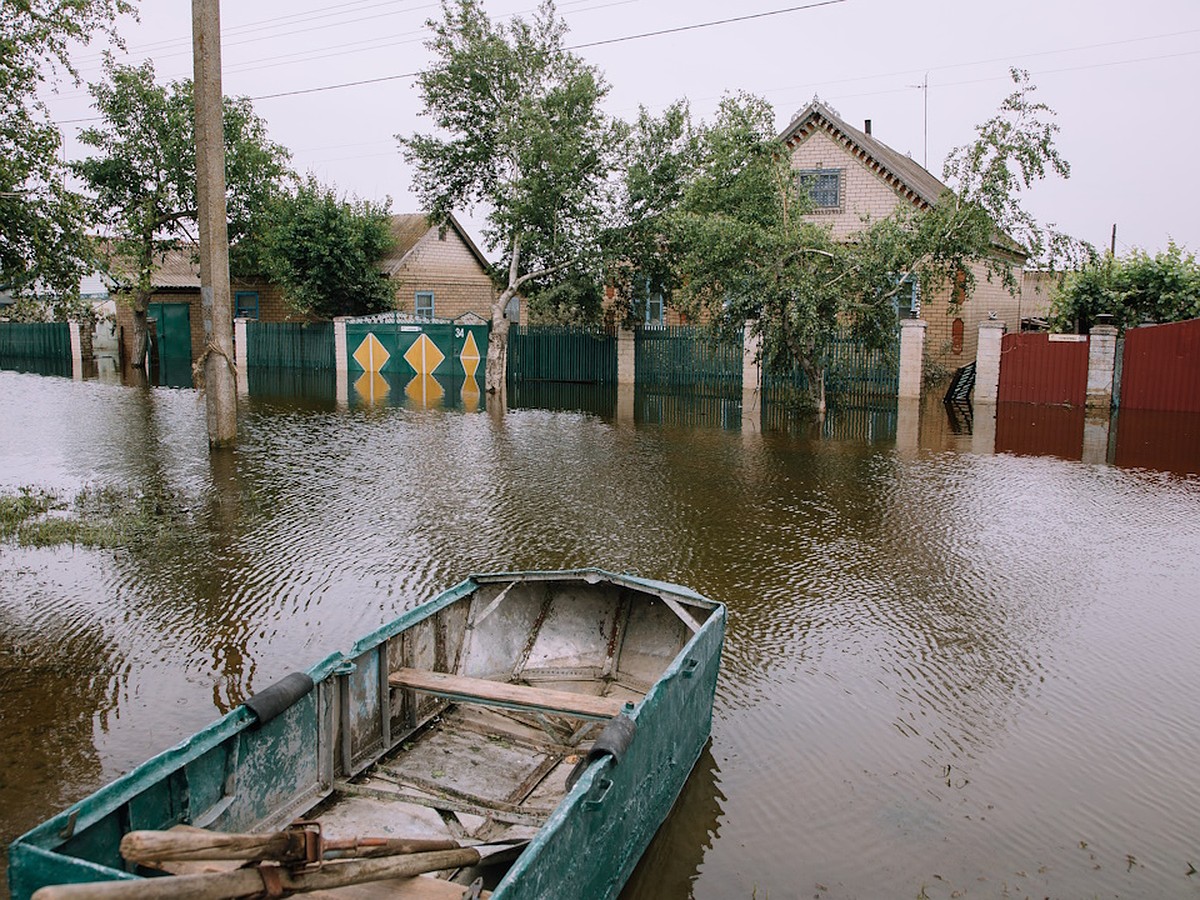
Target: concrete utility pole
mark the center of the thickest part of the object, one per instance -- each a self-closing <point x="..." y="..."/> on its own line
<point x="220" y="382"/>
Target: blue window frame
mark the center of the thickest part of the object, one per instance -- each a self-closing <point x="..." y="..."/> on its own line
<point x="245" y="305"/>
<point x="824" y="186"/>
<point x="423" y="305"/>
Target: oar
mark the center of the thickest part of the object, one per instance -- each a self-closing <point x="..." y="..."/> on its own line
<point x="292" y="846"/>
<point x="244" y="882"/>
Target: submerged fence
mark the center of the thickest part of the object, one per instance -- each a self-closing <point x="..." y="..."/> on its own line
<point x="40" y="347"/>
<point x="562" y="353"/>
<point x="854" y="374"/>
<point x="290" y="345"/>
<point x="689" y="356"/>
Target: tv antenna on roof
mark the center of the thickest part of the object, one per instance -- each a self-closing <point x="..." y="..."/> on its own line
<point x="924" y="88"/>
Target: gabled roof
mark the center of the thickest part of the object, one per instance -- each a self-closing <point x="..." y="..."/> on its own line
<point x="409" y="228"/>
<point x="175" y="268"/>
<point x="901" y="173"/>
<point x="904" y="175"/>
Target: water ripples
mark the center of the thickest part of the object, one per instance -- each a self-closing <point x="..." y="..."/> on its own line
<point x="943" y="663"/>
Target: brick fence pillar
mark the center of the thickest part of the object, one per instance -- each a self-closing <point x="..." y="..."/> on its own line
<point x="912" y="352"/>
<point x="987" y="361"/>
<point x="76" y="351"/>
<point x="341" y="362"/>
<point x="1102" y="356"/>
<point x="626" y="357"/>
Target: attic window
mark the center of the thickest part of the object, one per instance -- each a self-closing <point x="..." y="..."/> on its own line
<point x="824" y="187"/>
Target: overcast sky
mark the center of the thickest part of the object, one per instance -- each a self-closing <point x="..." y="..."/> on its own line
<point x="1122" y="77"/>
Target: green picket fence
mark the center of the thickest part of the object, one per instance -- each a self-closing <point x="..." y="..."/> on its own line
<point x="290" y="345"/>
<point x="21" y="341"/>
<point x="854" y="374"/>
<point x="688" y="356"/>
<point x="562" y="353"/>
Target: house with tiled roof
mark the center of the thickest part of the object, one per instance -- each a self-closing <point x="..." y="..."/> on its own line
<point x="851" y="174"/>
<point x="436" y="273"/>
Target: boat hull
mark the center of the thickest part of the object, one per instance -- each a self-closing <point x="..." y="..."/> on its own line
<point x="244" y="774"/>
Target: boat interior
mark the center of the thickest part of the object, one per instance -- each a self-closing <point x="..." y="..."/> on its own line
<point x="491" y="702"/>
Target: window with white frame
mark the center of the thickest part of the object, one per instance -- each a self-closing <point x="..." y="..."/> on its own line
<point x="423" y="305"/>
<point x="907" y="301"/>
<point x="824" y="187"/>
<point x="654" y="310"/>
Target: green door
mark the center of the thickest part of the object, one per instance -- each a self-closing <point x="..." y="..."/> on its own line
<point x="173" y="334"/>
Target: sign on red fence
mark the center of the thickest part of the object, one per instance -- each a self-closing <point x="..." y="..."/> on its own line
<point x="1161" y="367"/>
<point x="1043" y="368"/>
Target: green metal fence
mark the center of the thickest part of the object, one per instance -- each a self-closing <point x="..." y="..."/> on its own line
<point x="854" y="374"/>
<point x="562" y="353"/>
<point x="21" y="341"/>
<point x="688" y="356"/>
<point x="290" y="345"/>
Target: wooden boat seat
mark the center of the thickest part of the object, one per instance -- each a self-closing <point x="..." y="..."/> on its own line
<point x="513" y="696"/>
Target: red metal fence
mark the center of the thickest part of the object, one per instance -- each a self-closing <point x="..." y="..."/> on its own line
<point x="1036" y="369"/>
<point x="1161" y="367"/>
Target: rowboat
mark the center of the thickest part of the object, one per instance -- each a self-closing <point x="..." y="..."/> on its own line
<point x="557" y="714"/>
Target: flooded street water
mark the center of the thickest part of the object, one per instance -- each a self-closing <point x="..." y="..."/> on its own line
<point x="948" y="673"/>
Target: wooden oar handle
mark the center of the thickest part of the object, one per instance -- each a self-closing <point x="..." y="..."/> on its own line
<point x="243" y="882"/>
<point x="163" y="846"/>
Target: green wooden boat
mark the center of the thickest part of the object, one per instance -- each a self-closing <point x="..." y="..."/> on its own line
<point x="565" y="709"/>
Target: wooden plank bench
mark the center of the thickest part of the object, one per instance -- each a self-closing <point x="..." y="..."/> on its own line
<point x="513" y="696"/>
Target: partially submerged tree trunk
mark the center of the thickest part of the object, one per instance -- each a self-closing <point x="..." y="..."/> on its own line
<point x="814" y="373"/>
<point x="140" y="305"/>
<point x="497" y="351"/>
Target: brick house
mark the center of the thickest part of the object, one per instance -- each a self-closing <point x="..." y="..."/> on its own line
<point x="439" y="272"/>
<point x="435" y="273"/>
<point x="852" y="175"/>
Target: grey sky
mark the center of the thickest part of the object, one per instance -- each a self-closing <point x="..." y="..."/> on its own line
<point x="1120" y="75"/>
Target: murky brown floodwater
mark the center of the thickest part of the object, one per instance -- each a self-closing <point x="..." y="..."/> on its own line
<point x="948" y="672"/>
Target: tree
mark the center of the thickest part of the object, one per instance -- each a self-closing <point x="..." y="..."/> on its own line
<point x="658" y="158"/>
<point x="325" y="251"/>
<point x="1135" y="289"/>
<point x="744" y="250"/>
<point x="144" y="176"/>
<point x="524" y="138"/>
<point x="43" y="246"/>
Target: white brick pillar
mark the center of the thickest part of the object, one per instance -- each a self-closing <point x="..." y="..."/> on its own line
<point x="987" y="362"/>
<point x="341" y="362"/>
<point x="1102" y="356"/>
<point x="76" y="351"/>
<point x="626" y="357"/>
<point x="912" y="353"/>
<point x="751" y="357"/>
<point x="240" y="346"/>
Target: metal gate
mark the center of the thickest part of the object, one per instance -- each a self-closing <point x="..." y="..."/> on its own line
<point x="1043" y="368"/>
<point x="429" y="363"/>
<point x="1161" y="367"/>
<point x="172" y="343"/>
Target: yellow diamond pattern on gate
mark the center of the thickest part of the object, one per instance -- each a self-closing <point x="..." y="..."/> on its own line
<point x="371" y="354"/>
<point x="424" y="356"/>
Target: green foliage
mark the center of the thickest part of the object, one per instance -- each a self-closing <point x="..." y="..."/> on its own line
<point x="1013" y="150"/>
<point x="43" y="247"/>
<point x="143" y="178"/>
<point x="1135" y="289"/>
<point x="325" y="251"/>
<point x="742" y="248"/>
<point x="658" y="159"/>
<point x="522" y="134"/>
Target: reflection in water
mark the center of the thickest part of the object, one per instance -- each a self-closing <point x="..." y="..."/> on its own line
<point x="926" y="684"/>
<point x="1038" y="430"/>
<point x="1150" y="439"/>
<point x="600" y="399"/>
<point x="672" y="862"/>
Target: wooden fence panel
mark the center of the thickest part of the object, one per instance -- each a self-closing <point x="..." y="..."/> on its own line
<point x="1043" y="368"/>
<point x="1161" y="367"/>
<point x="688" y="356"/>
